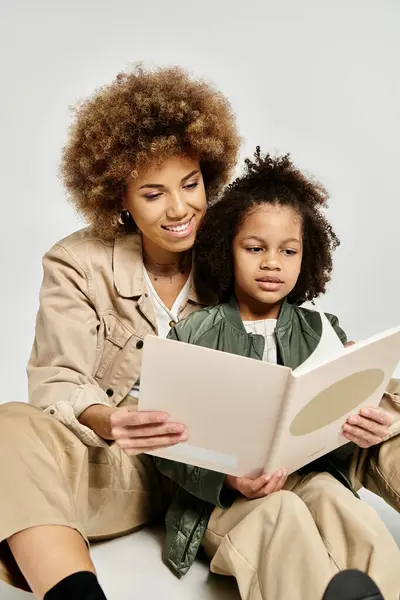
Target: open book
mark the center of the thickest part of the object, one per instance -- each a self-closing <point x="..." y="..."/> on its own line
<point x="245" y="416"/>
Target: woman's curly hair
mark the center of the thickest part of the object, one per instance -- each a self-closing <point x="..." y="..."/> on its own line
<point x="142" y="118"/>
<point x="273" y="180"/>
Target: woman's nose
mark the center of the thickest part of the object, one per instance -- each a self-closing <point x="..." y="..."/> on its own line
<point x="177" y="208"/>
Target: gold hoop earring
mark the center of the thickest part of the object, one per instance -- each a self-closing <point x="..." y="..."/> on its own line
<point x="124" y="217"/>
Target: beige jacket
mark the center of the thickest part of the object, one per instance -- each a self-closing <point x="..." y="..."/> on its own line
<point x="94" y="313"/>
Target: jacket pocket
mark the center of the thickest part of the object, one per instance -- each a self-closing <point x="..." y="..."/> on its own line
<point x="112" y="338"/>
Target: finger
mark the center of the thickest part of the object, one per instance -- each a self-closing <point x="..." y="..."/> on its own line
<point x="257" y="484"/>
<point x="147" y="444"/>
<point x="358" y="441"/>
<point x="138" y="451"/>
<point x="270" y="486"/>
<point x="125" y="418"/>
<point x="277" y="482"/>
<point x="147" y="430"/>
<point x="361" y="433"/>
<point x="362" y="438"/>
<point x="379" y="415"/>
<point x="249" y="487"/>
<point x="368" y="425"/>
<point x="282" y="482"/>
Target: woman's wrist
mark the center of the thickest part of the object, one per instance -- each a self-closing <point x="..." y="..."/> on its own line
<point x="97" y="418"/>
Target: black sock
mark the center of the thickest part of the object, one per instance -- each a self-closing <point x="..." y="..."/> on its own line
<point x="352" y="585"/>
<point x="79" y="586"/>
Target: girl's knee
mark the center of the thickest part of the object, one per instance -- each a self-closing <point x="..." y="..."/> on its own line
<point x="286" y="504"/>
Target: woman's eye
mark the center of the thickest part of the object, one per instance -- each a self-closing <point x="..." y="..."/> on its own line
<point x="191" y="186"/>
<point x="152" y="196"/>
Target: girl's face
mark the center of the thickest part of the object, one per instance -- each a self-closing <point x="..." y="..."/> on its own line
<point x="167" y="203"/>
<point x="267" y="255"/>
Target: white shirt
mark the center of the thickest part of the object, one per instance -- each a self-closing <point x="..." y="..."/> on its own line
<point x="266" y="328"/>
<point x="165" y="317"/>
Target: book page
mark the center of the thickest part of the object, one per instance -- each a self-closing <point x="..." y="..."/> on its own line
<point x="230" y="404"/>
<point x="321" y="399"/>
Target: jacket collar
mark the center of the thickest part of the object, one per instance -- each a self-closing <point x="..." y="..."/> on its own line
<point x="128" y="268"/>
<point x="232" y="314"/>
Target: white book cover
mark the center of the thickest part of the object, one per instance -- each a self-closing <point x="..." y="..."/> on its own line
<point x="246" y="416"/>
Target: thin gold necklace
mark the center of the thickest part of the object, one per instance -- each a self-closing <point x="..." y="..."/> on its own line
<point x="162" y="269"/>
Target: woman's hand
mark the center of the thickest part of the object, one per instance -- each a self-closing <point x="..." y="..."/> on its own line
<point x="258" y="487"/>
<point x="97" y="418"/>
<point x="369" y="427"/>
<point x="134" y="431"/>
<point x="137" y="431"/>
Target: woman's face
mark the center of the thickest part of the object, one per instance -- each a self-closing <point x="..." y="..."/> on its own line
<point x="167" y="203"/>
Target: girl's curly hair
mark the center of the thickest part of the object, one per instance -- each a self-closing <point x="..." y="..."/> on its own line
<point x="273" y="180"/>
<point x="142" y="118"/>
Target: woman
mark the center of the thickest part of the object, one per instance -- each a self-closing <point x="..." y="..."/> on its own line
<point x="143" y="155"/>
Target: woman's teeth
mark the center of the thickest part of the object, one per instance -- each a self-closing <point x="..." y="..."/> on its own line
<point x="178" y="227"/>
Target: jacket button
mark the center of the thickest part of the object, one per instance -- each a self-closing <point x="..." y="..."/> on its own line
<point x="52" y="411"/>
<point x="139" y="344"/>
<point x="172" y="323"/>
<point x="110" y="392"/>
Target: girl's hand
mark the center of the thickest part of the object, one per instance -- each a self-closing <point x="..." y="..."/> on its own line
<point x="369" y="427"/>
<point x="137" y="431"/>
<point x="258" y="487"/>
<point x="348" y="344"/>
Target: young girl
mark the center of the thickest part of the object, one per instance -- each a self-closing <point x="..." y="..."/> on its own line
<point x="265" y="248"/>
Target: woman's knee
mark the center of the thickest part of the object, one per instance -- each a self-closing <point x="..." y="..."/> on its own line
<point x="15" y="421"/>
<point x="11" y="408"/>
<point x="26" y="430"/>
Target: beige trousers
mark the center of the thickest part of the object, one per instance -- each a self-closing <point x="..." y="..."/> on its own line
<point x="289" y="545"/>
<point x="286" y="546"/>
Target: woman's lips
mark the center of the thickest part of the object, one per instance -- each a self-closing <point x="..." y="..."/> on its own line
<point x="181" y="230"/>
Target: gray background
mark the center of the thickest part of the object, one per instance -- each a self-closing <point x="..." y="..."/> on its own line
<point x="320" y="79"/>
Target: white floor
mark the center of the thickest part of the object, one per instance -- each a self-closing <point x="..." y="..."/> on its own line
<point x="131" y="567"/>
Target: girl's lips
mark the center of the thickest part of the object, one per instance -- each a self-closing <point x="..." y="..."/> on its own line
<point x="268" y="279"/>
<point x="181" y="231"/>
<point x="269" y="286"/>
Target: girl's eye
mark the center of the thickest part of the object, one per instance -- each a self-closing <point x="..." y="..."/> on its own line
<point x="288" y="252"/>
<point x="191" y="186"/>
<point x="254" y="250"/>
